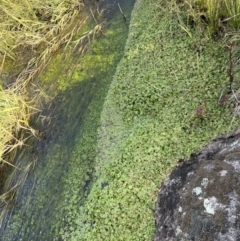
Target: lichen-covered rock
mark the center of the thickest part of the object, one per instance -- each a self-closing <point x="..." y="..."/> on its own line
<point x="201" y="198"/>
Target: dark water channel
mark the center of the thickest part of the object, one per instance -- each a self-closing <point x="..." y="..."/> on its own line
<point x="49" y="206"/>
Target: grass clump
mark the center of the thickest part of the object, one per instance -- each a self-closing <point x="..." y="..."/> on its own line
<point x="216" y="19"/>
<point x="217" y="15"/>
<point x="33" y="31"/>
<point x="14" y="114"/>
<point x="28" y="24"/>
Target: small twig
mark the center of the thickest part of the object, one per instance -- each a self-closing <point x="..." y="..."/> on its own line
<point x="124" y="17"/>
<point x="230" y="74"/>
<point x="99" y="25"/>
<point x="220" y="98"/>
<point x="93" y="16"/>
<point x="235" y="97"/>
<point x="230" y="69"/>
<point x="3" y="61"/>
<point x="227" y="19"/>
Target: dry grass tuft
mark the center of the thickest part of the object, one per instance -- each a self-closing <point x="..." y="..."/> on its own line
<point x="14" y="115"/>
<point x="218" y="15"/>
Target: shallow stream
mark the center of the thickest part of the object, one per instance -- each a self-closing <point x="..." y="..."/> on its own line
<point x="49" y="206"/>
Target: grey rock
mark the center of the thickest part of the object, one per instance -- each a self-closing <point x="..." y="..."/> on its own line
<point x="201" y="198"/>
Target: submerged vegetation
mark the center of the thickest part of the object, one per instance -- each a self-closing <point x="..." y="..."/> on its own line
<point x="165" y="102"/>
<point x="64" y="176"/>
<point x="31" y="33"/>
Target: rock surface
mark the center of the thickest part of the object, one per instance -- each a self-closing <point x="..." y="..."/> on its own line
<point x="201" y="198"/>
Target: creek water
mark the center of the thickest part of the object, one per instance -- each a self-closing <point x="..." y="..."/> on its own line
<point x="50" y="204"/>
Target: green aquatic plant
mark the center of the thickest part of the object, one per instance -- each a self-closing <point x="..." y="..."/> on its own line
<point x="161" y="107"/>
<point x="80" y="99"/>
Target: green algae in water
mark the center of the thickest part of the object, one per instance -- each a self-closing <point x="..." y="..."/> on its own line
<point x="97" y="58"/>
<point x="50" y="206"/>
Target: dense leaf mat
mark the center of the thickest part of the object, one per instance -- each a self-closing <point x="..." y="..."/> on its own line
<point x="161" y="107"/>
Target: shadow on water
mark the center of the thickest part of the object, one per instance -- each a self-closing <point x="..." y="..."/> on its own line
<point x="50" y="201"/>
